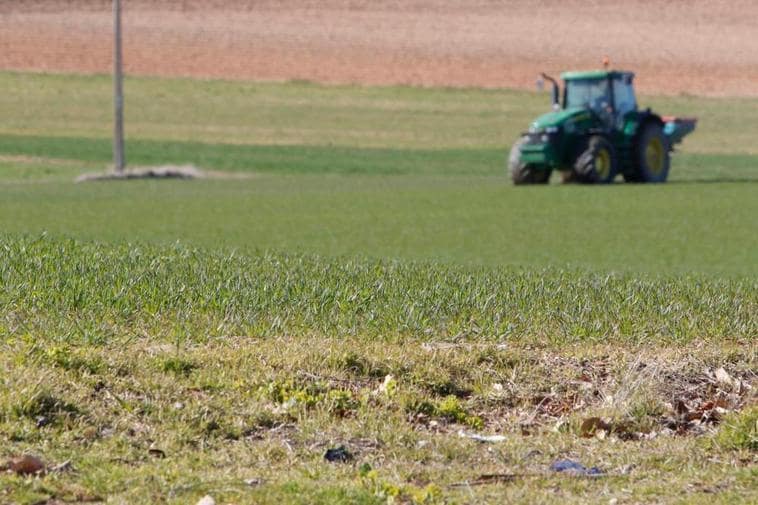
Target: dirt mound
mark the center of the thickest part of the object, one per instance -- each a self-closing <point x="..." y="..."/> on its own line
<point x="696" y="47"/>
<point x="160" y="172"/>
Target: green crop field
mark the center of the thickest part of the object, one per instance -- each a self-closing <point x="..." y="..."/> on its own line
<point x="381" y="172"/>
<point x="357" y="270"/>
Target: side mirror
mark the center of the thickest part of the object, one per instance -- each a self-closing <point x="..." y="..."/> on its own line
<point x="556" y="90"/>
<point x="540" y="83"/>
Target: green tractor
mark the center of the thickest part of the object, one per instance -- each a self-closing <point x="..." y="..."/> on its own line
<point x="596" y="132"/>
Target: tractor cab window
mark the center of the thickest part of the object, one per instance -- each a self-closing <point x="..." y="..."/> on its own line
<point x="588" y="94"/>
<point x="623" y="93"/>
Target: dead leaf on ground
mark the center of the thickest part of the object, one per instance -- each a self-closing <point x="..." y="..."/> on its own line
<point x="555" y="405"/>
<point x="490" y="478"/>
<point x="481" y="438"/>
<point x="156" y="452"/>
<point x="366" y="443"/>
<point x="689" y="418"/>
<point x="724" y="379"/>
<point x="27" y="465"/>
<point x="594" y="426"/>
<point x="448" y="346"/>
<point x="86" y="497"/>
<point x="63" y="467"/>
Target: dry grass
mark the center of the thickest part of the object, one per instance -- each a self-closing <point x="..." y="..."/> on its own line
<point x="249" y="421"/>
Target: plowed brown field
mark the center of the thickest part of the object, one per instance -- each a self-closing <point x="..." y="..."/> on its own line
<point x="675" y="46"/>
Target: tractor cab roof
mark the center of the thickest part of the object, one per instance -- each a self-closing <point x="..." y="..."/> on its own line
<point x="595" y="74"/>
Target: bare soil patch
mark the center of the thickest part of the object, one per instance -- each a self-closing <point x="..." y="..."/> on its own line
<point x="161" y="172"/>
<point x="696" y="47"/>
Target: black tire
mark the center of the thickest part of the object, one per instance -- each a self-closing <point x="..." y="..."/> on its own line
<point x="653" y="156"/>
<point x="597" y="163"/>
<point x="525" y="173"/>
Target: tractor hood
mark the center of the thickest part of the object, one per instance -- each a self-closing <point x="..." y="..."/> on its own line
<point x="559" y="117"/>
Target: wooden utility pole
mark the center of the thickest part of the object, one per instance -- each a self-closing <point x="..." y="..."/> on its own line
<point x="118" y="92"/>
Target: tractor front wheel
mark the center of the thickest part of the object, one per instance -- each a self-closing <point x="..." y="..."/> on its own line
<point x="653" y="156"/>
<point x="525" y="173"/>
<point x="596" y="164"/>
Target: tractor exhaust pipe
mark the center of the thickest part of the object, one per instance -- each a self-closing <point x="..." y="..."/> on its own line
<point x="556" y="90"/>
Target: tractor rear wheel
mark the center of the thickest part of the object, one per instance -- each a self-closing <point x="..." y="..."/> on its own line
<point x="597" y="163"/>
<point x="653" y="156"/>
<point x="525" y="173"/>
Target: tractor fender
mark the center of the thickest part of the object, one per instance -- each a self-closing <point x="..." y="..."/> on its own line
<point x="634" y="126"/>
<point x="649" y="116"/>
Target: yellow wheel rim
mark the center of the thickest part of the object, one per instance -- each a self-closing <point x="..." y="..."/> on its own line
<point x="603" y="163"/>
<point x="654" y="156"/>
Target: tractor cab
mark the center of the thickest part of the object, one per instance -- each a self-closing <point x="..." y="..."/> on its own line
<point x="610" y="95"/>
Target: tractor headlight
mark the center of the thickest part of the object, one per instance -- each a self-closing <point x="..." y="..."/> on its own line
<point x="542" y="135"/>
<point x="548" y="133"/>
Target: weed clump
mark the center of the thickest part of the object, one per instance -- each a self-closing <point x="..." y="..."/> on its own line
<point x="68" y="360"/>
<point x="448" y="387"/>
<point x="178" y="366"/>
<point x="392" y="493"/>
<point x="740" y="430"/>
<point x="288" y="394"/>
<point x="449" y="409"/>
<point x="45" y="405"/>
<point x="360" y="366"/>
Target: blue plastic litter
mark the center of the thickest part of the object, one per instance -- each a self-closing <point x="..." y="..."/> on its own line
<point x="574" y="468"/>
